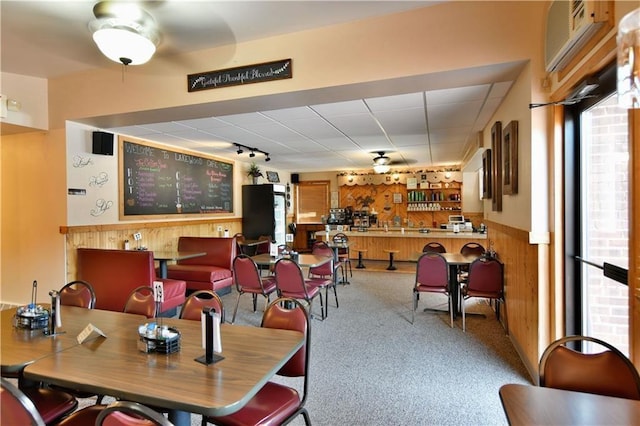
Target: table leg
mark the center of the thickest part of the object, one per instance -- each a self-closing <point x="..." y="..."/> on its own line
<point x="180" y="418"/>
<point x="163" y="268"/>
<point x="453" y="288"/>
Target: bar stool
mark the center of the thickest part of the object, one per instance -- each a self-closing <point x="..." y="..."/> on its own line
<point x="391" y="252"/>
<point x="360" y="253"/>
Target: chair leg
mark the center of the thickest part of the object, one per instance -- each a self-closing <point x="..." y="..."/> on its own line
<point x="415" y="306"/>
<point x="233" y="319"/>
<point x="464" y="324"/>
<point x="255" y="300"/>
<point x="451" y="309"/>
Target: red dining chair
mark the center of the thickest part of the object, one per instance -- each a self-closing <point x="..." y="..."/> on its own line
<point x="434" y="247"/>
<point x="141" y="302"/>
<point x="248" y="280"/>
<point x="277" y="404"/>
<point x="33" y="405"/>
<point x="608" y="372"/>
<point x="469" y="249"/>
<point x="432" y="276"/>
<point x="325" y="275"/>
<point x="196" y="301"/>
<point x="78" y="293"/>
<point x="485" y="280"/>
<point x="291" y="283"/>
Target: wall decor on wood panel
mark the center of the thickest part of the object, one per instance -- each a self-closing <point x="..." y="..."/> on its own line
<point x="486" y="174"/>
<point x="496" y="173"/>
<point x="510" y="159"/>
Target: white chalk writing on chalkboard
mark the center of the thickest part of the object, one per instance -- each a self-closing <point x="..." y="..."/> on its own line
<point x="159" y="181"/>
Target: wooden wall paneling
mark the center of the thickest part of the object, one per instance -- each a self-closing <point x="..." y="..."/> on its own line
<point x="521" y="290"/>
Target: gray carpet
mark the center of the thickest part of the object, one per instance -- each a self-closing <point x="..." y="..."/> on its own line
<point x="371" y="366"/>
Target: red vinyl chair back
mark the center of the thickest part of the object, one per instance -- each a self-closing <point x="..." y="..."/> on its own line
<point x="289" y="280"/>
<point x="78" y="293"/>
<point x="141" y="302"/>
<point x="17" y="409"/>
<point x="432" y="272"/>
<point x="434" y="247"/>
<point x="472" y="249"/>
<point x="608" y="372"/>
<point x="485" y="279"/>
<point x="196" y="301"/>
<point x="264" y="247"/>
<point x="246" y="275"/>
<point x="279" y="315"/>
<point x="320" y="248"/>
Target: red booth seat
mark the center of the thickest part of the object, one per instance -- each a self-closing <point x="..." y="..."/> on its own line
<point x="209" y="272"/>
<point x="114" y="274"/>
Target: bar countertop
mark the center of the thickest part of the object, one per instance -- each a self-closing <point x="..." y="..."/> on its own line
<point x="408" y="233"/>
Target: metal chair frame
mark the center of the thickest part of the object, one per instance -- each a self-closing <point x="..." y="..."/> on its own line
<point x="211" y="300"/>
<point x="134" y="411"/>
<point x="73" y="290"/>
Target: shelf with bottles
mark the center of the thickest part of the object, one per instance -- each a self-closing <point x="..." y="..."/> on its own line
<point x="448" y="195"/>
<point x="430" y="206"/>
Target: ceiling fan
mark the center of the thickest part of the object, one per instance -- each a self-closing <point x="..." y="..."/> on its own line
<point x="124" y="32"/>
<point x="381" y="163"/>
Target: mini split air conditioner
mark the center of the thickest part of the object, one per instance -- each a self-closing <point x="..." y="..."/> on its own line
<point x="570" y="24"/>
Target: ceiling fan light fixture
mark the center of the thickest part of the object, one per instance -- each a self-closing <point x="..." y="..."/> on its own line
<point x="124" y="32"/>
<point x="124" y="45"/>
<point x="381" y="168"/>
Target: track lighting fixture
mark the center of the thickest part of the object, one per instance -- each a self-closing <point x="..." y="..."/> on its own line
<point x="252" y="151"/>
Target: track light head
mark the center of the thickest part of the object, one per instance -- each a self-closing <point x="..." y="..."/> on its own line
<point x="239" y="151"/>
<point x="267" y="158"/>
<point x="253" y="154"/>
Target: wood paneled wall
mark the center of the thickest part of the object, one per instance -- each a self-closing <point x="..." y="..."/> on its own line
<point x="155" y="236"/>
<point x="522" y="292"/>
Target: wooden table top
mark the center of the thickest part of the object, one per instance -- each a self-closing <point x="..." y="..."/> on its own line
<point x="22" y="346"/>
<point x="304" y="260"/>
<point x="533" y="405"/>
<point x="115" y="366"/>
<point x="176" y="255"/>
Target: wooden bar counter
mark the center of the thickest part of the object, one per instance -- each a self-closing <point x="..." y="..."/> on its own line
<point x="409" y="243"/>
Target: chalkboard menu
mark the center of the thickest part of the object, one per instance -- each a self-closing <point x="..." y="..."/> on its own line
<point x="160" y="181"/>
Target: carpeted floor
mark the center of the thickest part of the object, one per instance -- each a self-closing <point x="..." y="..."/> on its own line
<point x="371" y="366"/>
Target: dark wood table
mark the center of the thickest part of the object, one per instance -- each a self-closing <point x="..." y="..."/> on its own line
<point x="163" y="257"/>
<point x="114" y="366"/>
<point x="454" y="260"/>
<point x="304" y="260"/>
<point x="533" y="405"/>
<point x="22" y="346"/>
<point x="249" y="247"/>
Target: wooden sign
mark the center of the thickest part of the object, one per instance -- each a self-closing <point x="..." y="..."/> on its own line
<point x="248" y="74"/>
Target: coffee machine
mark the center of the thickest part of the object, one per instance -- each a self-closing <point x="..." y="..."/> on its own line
<point x="336" y="217"/>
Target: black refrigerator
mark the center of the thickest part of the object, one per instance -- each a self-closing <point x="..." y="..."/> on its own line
<point x="264" y="212"/>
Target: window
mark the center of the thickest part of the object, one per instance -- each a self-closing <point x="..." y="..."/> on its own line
<point x="597" y="218"/>
<point x="312" y="201"/>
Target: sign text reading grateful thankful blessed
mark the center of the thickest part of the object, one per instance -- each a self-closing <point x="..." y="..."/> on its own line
<point x="268" y="71"/>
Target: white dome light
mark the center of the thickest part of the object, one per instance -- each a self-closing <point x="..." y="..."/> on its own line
<point x="124" y="45"/>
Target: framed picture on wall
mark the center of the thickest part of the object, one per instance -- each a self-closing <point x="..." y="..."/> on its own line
<point x="486" y="174"/>
<point x="510" y="159"/>
<point x="273" y="177"/>
<point x="496" y="167"/>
